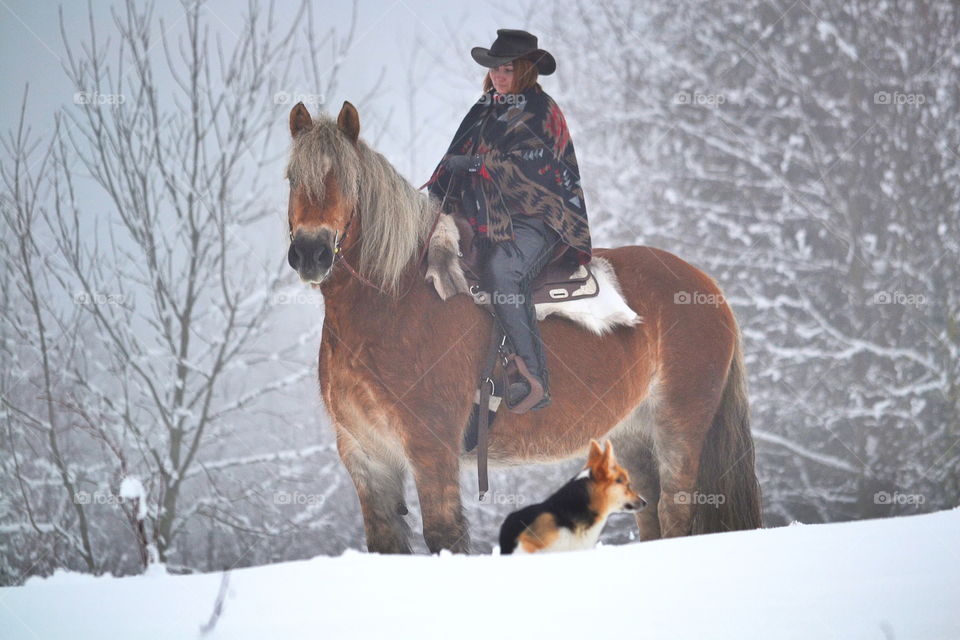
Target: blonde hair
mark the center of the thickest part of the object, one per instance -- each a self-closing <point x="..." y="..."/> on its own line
<point x="525" y="75"/>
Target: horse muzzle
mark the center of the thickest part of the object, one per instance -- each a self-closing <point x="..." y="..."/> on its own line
<point x="311" y="256"/>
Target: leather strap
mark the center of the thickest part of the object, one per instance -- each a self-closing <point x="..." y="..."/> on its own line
<point x="483" y="417"/>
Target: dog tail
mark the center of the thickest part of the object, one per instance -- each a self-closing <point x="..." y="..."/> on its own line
<point x="727" y="461"/>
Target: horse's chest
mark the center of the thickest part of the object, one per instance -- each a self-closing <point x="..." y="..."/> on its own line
<point x="352" y="384"/>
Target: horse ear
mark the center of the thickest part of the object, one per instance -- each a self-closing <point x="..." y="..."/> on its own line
<point x="299" y="119"/>
<point x="349" y="121"/>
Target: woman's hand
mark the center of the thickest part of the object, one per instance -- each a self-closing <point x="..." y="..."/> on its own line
<point x="470" y="163"/>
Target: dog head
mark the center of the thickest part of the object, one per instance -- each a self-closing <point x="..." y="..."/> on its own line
<point x="611" y="481"/>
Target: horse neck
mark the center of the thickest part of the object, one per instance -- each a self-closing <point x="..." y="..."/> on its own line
<point x="344" y="289"/>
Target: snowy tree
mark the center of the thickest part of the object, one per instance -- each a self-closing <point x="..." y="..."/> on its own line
<point x="806" y="155"/>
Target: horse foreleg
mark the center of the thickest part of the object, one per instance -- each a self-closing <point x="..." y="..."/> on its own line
<point x="379" y="483"/>
<point x="436" y="471"/>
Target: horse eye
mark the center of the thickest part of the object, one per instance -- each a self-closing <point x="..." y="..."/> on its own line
<point x="621" y="480"/>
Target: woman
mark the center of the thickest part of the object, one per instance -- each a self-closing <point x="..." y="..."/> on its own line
<point x="512" y="171"/>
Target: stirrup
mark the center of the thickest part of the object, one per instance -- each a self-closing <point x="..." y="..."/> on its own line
<point x="537" y="393"/>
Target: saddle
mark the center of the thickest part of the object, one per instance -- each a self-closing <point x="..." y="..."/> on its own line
<point x="558" y="280"/>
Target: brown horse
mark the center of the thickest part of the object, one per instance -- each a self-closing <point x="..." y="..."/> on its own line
<point x="399" y="366"/>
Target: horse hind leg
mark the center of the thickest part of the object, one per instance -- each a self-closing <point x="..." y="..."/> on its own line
<point x="680" y="430"/>
<point x="633" y="444"/>
<point x="704" y="447"/>
<point x="678" y="460"/>
<point x="379" y="483"/>
<point x="659" y="444"/>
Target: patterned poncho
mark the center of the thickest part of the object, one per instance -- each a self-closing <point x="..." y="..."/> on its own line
<point x="529" y="168"/>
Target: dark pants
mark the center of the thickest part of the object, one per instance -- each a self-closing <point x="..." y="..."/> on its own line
<point x="510" y="268"/>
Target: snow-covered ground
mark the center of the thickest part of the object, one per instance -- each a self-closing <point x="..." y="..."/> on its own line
<point x="895" y="578"/>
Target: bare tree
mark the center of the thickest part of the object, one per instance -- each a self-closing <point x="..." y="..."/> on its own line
<point x="37" y="340"/>
<point x="140" y="285"/>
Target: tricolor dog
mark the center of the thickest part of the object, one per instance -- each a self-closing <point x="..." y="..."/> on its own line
<point x="573" y="517"/>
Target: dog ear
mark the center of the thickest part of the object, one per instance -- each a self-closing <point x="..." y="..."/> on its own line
<point x="608" y="460"/>
<point x="595" y="455"/>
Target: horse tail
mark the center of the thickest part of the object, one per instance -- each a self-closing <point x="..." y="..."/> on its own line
<point x="727" y="460"/>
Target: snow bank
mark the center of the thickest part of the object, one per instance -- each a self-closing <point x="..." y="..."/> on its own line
<point x="895" y="578"/>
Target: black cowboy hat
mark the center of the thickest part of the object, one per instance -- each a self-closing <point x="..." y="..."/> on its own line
<point x="512" y="44"/>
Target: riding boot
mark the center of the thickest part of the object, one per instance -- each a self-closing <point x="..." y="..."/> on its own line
<point x="526" y="367"/>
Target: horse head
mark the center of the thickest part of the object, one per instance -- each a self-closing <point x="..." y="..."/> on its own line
<point x="323" y="176"/>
